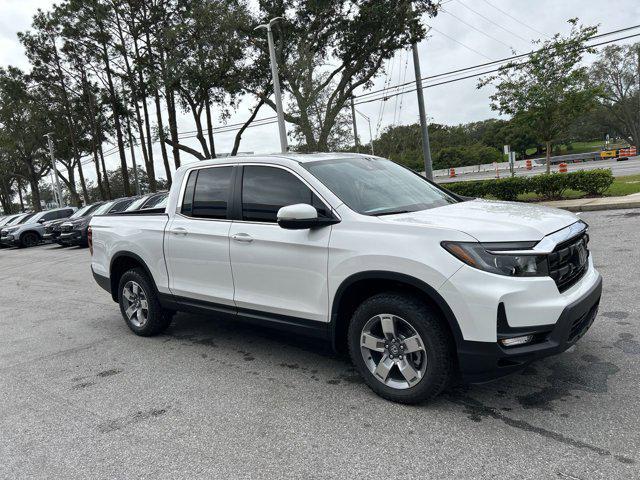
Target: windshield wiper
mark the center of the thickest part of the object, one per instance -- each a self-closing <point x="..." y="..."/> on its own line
<point x="390" y="212"/>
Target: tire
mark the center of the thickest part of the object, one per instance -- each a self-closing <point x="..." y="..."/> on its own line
<point x="414" y="378"/>
<point x="148" y="321"/>
<point x="29" y="239"/>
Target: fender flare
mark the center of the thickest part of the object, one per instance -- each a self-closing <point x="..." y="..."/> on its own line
<point x="138" y="259"/>
<point x="424" y="287"/>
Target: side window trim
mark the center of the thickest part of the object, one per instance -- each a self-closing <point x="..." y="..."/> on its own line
<point x="239" y="185"/>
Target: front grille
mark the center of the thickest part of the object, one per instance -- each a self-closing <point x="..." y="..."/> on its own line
<point x="66" y="228"/>
<point x="48" y="230"/>
<point x="582" y="324"/>
<point x="569" y="261"/>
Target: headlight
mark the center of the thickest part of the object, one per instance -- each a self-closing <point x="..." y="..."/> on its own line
<point x="487" y="257"/>
<point x="10" y="230"/>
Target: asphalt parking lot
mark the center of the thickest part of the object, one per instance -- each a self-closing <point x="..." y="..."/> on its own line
<point x="82" y="397"/>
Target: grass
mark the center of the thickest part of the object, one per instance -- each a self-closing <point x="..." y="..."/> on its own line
<point x="621" y="186"/>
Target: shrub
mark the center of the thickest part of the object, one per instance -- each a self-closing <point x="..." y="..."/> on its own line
<point x="508" y="188"/>
<point x="592" y="182"/>
<point x="550" y="185"/>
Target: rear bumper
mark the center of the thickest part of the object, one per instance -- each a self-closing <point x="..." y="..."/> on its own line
<point x="104" y="282"/>
<point x="484" y="361"/>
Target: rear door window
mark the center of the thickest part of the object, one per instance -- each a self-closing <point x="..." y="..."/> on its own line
<point x="211" y="192"/>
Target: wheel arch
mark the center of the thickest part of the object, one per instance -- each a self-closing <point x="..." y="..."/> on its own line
<point x="360" y="286"/>
<point x="121" y="262"/>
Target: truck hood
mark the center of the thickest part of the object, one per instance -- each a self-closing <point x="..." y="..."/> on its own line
<point x="491" y="221"/>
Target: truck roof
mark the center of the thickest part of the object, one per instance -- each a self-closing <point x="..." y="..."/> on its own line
<point x="295" y="157"/>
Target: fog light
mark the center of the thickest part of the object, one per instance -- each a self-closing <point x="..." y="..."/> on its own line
<point x="512" y="342"/>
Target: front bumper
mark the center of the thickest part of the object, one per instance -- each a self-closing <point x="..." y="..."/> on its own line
<point x="52" y="236"/>
<point x="8" y="241"/>
<point x="73" y="237"/>
<point x="484" y="361"/>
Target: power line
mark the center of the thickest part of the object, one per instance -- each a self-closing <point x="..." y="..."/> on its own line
<point x="494" y="23"/>
<point x="515" y="19"/>
<point x="460" y="43"/>
<point x="496" y="62"/>
<point x="387" y="97"/>
<point x="477" y="29"/>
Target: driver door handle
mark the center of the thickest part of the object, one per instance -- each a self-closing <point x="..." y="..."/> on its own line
<point x="242" y="237"/>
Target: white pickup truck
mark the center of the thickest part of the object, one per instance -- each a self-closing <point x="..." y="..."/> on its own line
<point x="420" y="286"/>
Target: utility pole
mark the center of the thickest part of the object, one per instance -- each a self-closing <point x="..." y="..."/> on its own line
<point x="276" y="84"/>
<point x="370" y="132"/>
<point x="355" y="125"/>
<point x="426" y="149"/>
<point x="55" y="171"/>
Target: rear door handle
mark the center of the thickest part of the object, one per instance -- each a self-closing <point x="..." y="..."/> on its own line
<point x="242" y="237"/>
<point x="179" y="231"/>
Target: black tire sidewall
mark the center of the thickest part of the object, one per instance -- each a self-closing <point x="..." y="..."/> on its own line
<point x="25" y="236"/>
<point x="428" y="325"/>
<point x="157" y="321"/>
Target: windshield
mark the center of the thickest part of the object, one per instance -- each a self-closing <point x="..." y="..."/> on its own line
<point x="104" y="208"/>
<point x="80" y="213"/>
<point x="157" y="202"/>
<point x="136" y="204"/>
<point x="375" y="186"/>
<point x="19" y="220"/>
<point x="6" y="220"/>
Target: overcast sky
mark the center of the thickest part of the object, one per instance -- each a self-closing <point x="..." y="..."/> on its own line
<point x="460" y="37"/>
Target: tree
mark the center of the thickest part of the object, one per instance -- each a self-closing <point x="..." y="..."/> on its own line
<point x="617" y="71"/>
<point x="23" y="125"/>
<point x="326" y="50"/>
<point x="550" y="89"/>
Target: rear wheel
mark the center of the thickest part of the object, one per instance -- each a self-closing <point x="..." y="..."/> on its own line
<point x="139" y="304"/>
<point x="401" y="348"/>
<point x="29" y="239"/>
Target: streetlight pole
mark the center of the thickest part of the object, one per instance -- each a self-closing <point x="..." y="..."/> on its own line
<point x="276" y="84"/>
<point x="55" y="171"/>
<point x="426" y="150"/>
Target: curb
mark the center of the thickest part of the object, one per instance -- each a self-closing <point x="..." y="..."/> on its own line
<point x="597" y="207"/>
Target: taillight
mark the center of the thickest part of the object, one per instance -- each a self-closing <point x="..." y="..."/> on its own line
<point x="90" y="240"/>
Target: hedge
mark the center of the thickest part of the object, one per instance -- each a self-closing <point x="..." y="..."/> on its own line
<point x="551" y="186"/>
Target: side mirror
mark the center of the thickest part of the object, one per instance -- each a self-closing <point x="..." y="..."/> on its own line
<point x="41" y="221"/>
<point x="297" y="217"/>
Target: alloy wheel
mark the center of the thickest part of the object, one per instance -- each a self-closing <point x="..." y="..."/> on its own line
<point x="393" y="351"/>
<point x="136" y="306"/>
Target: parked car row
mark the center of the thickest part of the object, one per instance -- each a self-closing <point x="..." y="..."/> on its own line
<point x="67" y="226"/>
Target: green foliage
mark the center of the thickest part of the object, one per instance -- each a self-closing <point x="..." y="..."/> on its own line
<point x="549" y="186"/>
<point x="592" y="182"/>
<point x="550" y="89"/>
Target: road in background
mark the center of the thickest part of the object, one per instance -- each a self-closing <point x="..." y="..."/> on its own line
<point x="618" y="168"/>
<point x="82" y="397"/>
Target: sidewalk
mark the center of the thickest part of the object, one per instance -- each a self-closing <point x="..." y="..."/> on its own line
<point x="593" y="204"/>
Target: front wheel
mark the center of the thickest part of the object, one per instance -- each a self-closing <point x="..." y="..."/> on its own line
<point x="401" y="348"/>
<point x="29" y="239"/>
<point x="139" y="304"/>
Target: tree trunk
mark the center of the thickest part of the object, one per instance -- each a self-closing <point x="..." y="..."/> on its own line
<point x="35" y="190"/>
<point x="161" y="134"/>
<point x="96" y="162"/>
<point x="20" y="195"/>
<point x="212" y="147"/>
<point x="133" y="159"/>
<point x="236" y="143"/>
<point x="71" y="185"/>
<point x="548" y="156"/>
<point x="116" y="113"/>
<point x="107" y="185"/>
<point x="173" y="124"/>
<point x="83" y="184"/>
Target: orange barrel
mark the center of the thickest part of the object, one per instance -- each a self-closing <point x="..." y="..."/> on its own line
<point x="452" y="172"/>
<point x="529" y="165"/>
<point x="563" y="168"/>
